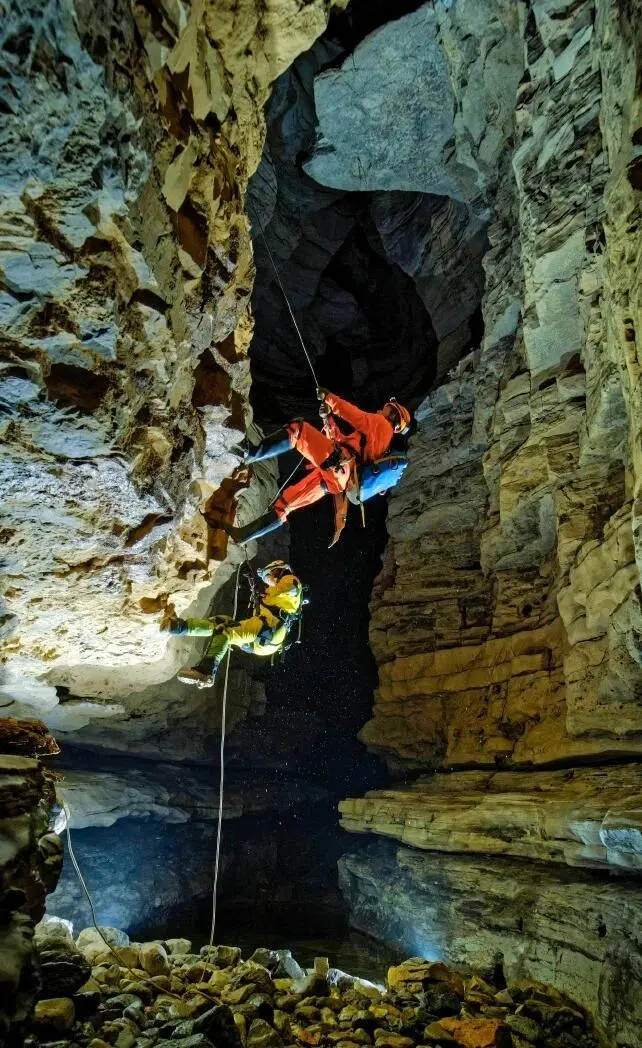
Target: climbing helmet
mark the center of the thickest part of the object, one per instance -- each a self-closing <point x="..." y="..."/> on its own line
<point x="404" y="418"/>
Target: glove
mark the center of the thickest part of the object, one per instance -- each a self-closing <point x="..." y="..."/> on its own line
<point x="324" y="410"/>
<point x="322" y="393"/>
<point x="174" y="626"/>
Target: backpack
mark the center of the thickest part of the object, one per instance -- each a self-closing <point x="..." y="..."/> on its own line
<point x="375" y="478"/>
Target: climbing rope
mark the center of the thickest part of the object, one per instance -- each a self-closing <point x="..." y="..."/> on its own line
<point x="222" y="767"/>
<point x="81" y="880"/>
<point x="287" y="302"/>
<point x="289" y="478"/>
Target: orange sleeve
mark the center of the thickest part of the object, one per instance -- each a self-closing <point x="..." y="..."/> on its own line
<point x="361" y="420"/>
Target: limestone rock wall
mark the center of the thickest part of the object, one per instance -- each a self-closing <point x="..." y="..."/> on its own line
<point x="128" y="136"/>
<point x="30" y="860"/>
<point x="507" y="617"/>
<point x="581" y="933"/>
<point x="506" y="620"/>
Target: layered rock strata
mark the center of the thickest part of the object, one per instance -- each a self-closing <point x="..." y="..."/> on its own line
<point x="30" y="860"/>
<point x="506" y="621"/>
<point x="506" y="617"/>
<point x="586" y="817"/>
<point x="125" y="275"/>
<point x="580" y="933"/>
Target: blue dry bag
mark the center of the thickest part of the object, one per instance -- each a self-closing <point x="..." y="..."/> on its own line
<point x="378" y="477"/>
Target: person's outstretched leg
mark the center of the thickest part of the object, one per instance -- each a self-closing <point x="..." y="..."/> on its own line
<point x="203" y="674"/>
<point x="256" y="528"/>
<point x="310" y="442"/>
<point x="270" y="448"/>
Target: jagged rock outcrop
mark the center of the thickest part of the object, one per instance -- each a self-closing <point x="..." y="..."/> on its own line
<point x="129" y="135"/>
<point x="588" y="817"/>
<point x="30" y="860"/>
<point x="582" y="934"/>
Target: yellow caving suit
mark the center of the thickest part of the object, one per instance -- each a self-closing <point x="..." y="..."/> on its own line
<point x="262" y="634"/>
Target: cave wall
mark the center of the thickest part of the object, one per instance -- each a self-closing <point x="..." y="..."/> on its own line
<point x="531" y="611"/>
<point x="30" y="860"/>
<point x="128" y="136"/>
<point x="506" y="620"/>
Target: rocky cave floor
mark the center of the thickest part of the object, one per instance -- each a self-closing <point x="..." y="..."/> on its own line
<point x="104" y="990"/>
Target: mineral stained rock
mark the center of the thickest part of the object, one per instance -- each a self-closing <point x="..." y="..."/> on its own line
<point x="129" y="134"/>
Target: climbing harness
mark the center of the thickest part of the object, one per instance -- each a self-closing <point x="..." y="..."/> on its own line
<point x="222" y="768"/>
<point x="287" y="302"/>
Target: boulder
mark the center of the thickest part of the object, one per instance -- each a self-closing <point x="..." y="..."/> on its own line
<point x="478" y="1033"/>
<point x="63" y="967"/>
<point x="57" y="1013"/>
<point x="94" y="945"/>
<point x="153" y="959"/>
<point x="416" y="974"/>
<point x="222" y="956"/>
<point x="262" y="1035"/>
<point x="280" y="963"/>
<point x="219" y="1025"/>
<point x="87" y="997"/>
<point x="176" y="947"/>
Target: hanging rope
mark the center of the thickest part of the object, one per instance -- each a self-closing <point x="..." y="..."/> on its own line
<point x="287" y="302"/>
<point x="81" y="880"/>
<point x="222" y="767"/>
<point x="287" y="481"/>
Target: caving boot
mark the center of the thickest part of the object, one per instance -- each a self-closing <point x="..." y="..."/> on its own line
<point x="201" y="676"/>
<point x="269" y="448"/>
<point x="255" y="529"/>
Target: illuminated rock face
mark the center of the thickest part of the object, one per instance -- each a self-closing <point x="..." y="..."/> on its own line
<point x="581" y="933"/>
<point x="506" y="620"/>
<point x="125" y="269"/>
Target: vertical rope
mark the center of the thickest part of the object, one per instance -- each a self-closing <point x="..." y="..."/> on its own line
<point x="287" y="301"/>
<point x="222" y="767"/>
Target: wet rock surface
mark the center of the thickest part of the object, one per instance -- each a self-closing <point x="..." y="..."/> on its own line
<point x="216" y="998"/>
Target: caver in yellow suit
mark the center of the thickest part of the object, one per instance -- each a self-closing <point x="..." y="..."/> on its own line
<point x="265" y="633"/>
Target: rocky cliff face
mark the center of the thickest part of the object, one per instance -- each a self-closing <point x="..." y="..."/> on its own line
<point x="506" y="621"/>
<point x="129" y="134"/>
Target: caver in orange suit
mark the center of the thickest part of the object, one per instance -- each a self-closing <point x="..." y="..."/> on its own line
<point x="332" y="456"/>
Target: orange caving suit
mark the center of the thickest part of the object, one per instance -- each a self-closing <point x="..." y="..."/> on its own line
<point x="371" y="437"/>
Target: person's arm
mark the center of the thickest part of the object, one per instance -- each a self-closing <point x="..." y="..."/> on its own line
<point x="358" y="419"/>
